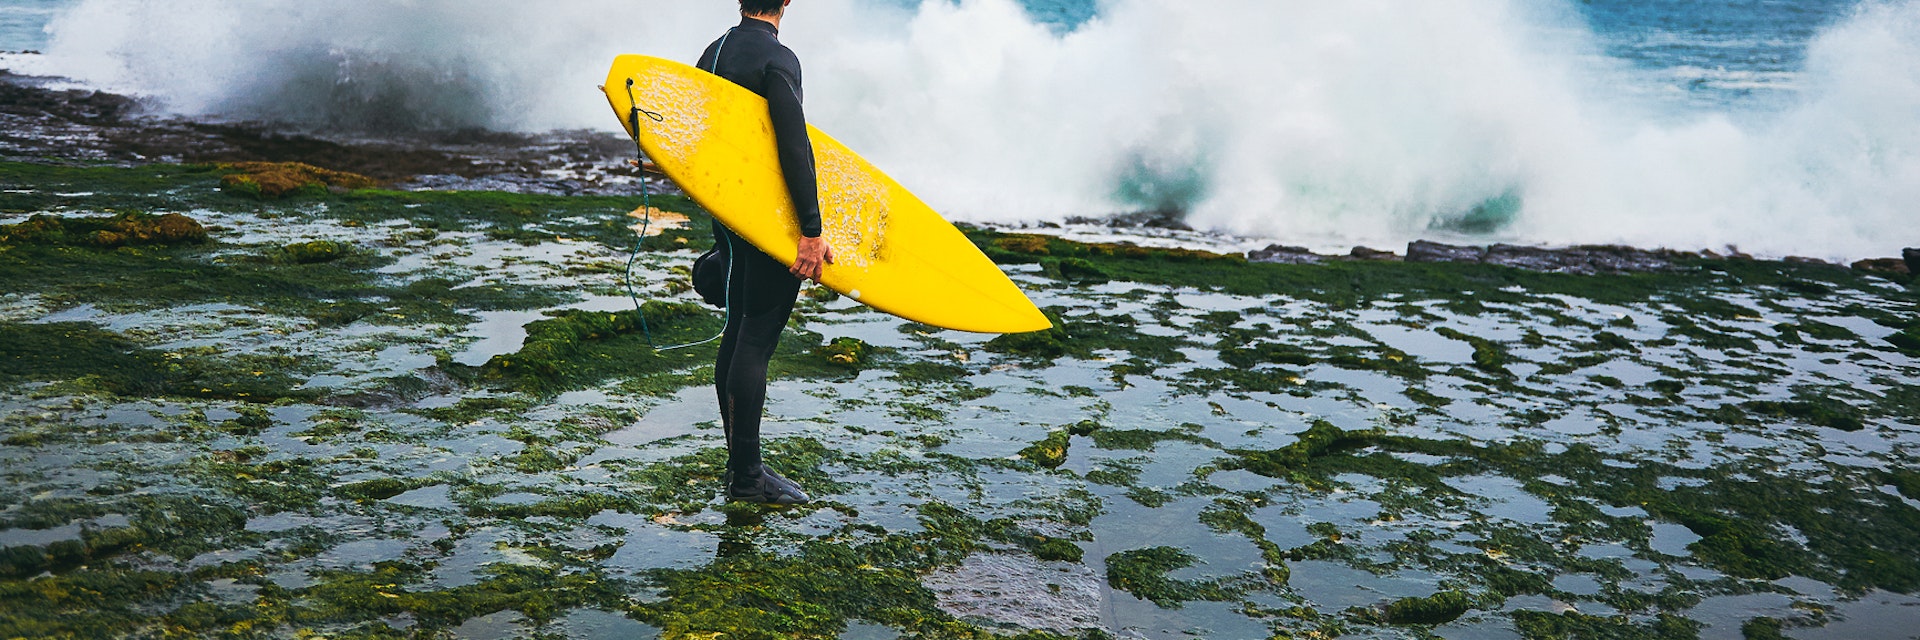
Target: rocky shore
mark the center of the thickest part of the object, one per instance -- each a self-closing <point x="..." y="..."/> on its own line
<point x="250" y="399"/>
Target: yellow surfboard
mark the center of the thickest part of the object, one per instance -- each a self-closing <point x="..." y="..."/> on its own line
<point x="891" y="252"/>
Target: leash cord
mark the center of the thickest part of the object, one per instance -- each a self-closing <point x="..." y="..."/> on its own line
<point x="646" y="221"/>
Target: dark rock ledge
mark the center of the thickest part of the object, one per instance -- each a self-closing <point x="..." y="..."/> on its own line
<point x="1581" y="259"/>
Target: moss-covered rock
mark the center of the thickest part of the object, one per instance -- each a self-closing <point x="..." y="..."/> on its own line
<point x="313" y="251"/>
<point x="274" y="180"/>
<point x="851" y="353"/>
<point x="1049" y="452"/>
<point x="120" y="230"/>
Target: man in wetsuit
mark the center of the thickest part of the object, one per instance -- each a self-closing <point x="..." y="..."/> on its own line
<point x="761" y="291"/>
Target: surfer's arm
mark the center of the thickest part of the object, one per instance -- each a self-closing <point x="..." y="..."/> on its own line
<point x="796" y="150"/>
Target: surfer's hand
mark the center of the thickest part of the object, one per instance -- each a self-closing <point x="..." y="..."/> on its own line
<point x="814" y="256"/>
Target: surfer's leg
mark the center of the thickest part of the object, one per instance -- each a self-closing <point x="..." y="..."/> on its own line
<point x="729" y="337"/>
<point x="761" y="300"/>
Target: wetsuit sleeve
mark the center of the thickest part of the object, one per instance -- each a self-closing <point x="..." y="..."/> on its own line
<point x="796" y="150"/>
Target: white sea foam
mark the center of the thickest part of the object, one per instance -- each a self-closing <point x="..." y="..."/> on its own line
<point x="1323" y="123"/>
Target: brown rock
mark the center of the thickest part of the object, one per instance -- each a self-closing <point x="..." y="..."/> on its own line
<point x="1364" y="253"/>
<point x="1882" y="265"/>
<point x="272" y="180"/>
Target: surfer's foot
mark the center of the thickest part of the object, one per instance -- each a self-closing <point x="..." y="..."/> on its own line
<point x="770" y="488"/>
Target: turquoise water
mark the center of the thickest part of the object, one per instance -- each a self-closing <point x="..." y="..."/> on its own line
<point x="23" y="23"/>
<point x="1720" y="52"/>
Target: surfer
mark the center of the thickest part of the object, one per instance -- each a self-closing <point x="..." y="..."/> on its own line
<point x="760" y="290"/>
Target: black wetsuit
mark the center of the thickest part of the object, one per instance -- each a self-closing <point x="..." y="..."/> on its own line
<point x="760" y="290"/>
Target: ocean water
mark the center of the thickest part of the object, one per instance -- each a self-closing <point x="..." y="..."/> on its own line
<point x="1780" y="127"/>
<point x="23" y="23"/>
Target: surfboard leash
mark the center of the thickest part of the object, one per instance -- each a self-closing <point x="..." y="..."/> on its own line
<point x="646" y="221"/>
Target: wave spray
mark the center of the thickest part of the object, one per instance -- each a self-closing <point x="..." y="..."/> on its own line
<point x="1328" y="124"/>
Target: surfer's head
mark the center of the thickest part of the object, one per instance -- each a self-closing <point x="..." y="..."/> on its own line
<point x="763" y="7"/>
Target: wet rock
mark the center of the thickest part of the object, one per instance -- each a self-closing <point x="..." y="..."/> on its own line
<point x="1164" y="219"/>
<point x="38" y="123"/>
<point x="1912" y="258"/>
<point x="20" y="95"/>
<point x="1882" y="266"/>
<point x="1802" y="260"/>
<point x="1019" y="591"/>
<point x="1285" y="255"/>
<point x="1529" y="258"/>
<point x="1429" y="251"/>
<point x="1617" y="259"/>
<point x="1584" y="259"/>
<point x="1366" y="253"/>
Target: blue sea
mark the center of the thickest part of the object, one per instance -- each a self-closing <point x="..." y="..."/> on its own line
<point x="23" y="23"/>
<point x="1776" y="127"/>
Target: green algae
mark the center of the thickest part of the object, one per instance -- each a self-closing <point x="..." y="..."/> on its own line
<point x="1853" y="540"/>
<point x="1058" y="550"/>
<point x="379" y="489"/>
<point x="541" y="593"/>
<point x="814" y="590"/>
<point x="314" y="251"/>
<point x="1144" y="439"/>
<point x="581" y="348"/>
<point x="1143" y="573"/>
<point x="1050" y="452"/>
<point x="274" y="484"/>
<point x="42" y="187"/>
<point x="1438" y="608"/>
<point x="1762" y="629"/>
<point x="1074" y="270"/>
<point x="574" y="349"/>
<point x="846" y="352"/>
<point x="1320" y="439"/>
<point x="1573" y="624"/>
<point x="112" y="363"/>
<point x="86" y="604"/>
<point x="811" y="594"/>
<point x="343" y="289"/>
<point x="1823" y="412"/>
<point x="1488" y="355"/>
<point x="1907" y="339"/>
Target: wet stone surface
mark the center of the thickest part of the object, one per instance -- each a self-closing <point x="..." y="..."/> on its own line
<point x="449" y="424"/>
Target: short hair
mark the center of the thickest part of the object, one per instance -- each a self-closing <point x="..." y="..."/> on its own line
<point x="761" y="7"/>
